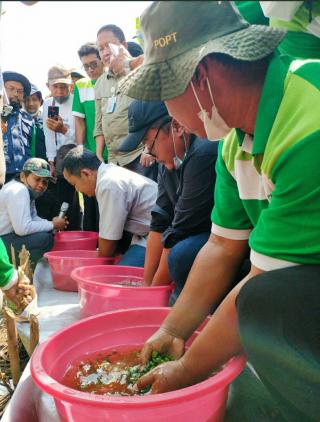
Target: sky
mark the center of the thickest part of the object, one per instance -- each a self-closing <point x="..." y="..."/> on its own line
<point x="34" y="38"/>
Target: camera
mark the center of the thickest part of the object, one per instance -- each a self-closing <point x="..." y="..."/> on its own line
<point x="53" y="112"/>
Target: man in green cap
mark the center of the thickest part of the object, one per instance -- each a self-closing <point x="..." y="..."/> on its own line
<point x="19" y="222"/>
<point x="221" y="78"/>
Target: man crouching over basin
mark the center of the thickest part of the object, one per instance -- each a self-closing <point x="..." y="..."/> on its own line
<point x="125" y="201"/>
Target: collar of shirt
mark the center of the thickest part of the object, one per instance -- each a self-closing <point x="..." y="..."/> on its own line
<point x="270" y="101"/>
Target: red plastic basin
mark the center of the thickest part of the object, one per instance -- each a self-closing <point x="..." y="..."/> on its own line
<point x="98" y="291"/>
<point x="75" y="240"/>
<point x="202" y="402"/>
<point x="62" y="263"/>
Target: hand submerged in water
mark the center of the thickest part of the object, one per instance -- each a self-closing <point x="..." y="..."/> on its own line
<point x="166" y="377"/>
<point x="164" y="342"/>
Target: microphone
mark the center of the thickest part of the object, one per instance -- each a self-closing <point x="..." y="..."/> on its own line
<point x="63" y="209"/>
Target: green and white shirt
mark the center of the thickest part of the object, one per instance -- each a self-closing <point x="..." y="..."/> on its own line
<point x="302" y="20"/>
<point x="8" y="275"/>
<point x="84" y="106"/>
<point x="268" y="186"/>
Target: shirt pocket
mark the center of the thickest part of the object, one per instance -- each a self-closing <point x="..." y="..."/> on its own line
<point x="118" y="120"/>
<point x="104" y="102"/>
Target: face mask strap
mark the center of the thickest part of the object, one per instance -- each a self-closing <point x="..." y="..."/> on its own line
<point x="210" y="92"/>
<point x="173" y="141"/>
<point x="185" y="143"/>
<point x="196" y="96"/>
<point x="176" y="160"/>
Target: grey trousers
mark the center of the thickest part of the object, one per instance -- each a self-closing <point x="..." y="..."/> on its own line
<point x="36" y="243"/>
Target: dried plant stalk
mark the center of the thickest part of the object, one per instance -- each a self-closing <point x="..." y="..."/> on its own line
<point x="13" y="347"/>
<point x="25" y="264"/>
<point x="34" y="333"/>
<point x="13" y="257"/>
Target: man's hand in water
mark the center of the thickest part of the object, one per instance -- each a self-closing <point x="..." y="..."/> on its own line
<point x="168" y="376"/>
<point x="162" y="342"/>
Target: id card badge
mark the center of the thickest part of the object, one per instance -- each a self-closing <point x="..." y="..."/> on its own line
<point x="111" y="104"/>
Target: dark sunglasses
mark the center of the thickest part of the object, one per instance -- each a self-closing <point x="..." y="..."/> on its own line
<point x="93" y="65"/>
<point x="148" y="151"/>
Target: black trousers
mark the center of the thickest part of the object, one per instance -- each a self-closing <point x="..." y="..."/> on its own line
<point x="91" y="214"/>
<point x="279" y="322"/>
<point x="67" y="193"/>
<point x="48" y="205"/>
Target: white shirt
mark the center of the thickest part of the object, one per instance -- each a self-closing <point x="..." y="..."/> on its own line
<point x="125" y="202"/>
<point x="18" y="213"/>
<point x="55" y="140"/>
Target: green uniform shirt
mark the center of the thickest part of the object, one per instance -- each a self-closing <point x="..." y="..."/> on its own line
<point x="6" y="269"/>
<point x="303" y="36"/>
<point x="268" y="188"/>
<point x="251" y="11"/>
<point x="84" y="106"/>
<point x="113" y="125"/>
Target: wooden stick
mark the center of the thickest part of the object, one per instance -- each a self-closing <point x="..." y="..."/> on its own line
<point x="13" y="348"/>
<point x="34" y="333"/>
<point x="13" y="256"/>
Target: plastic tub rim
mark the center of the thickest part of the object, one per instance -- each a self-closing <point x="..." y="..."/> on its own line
<point x="63" y="393"/>
<point x="58" y="254"/>
<point x="83" y="281"/>
<point x="91" y="234"/>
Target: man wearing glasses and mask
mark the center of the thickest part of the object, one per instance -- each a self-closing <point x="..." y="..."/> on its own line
<point x="16" y="124"/>
<point x="180" y="223"/>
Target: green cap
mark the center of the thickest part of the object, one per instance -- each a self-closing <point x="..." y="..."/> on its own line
<point x="39" y="167"/>
<point x="178" y="34"/>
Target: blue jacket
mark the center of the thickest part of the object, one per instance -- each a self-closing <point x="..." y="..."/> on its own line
<point x="17" y="140"/>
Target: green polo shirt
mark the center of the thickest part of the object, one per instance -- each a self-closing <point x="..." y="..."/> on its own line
<point x="268" y="187"/>
<point x="302" y="39"/>
<point x="6" y="269"/>
<point x="251" y="11"/>
<point x="84" y="106"/>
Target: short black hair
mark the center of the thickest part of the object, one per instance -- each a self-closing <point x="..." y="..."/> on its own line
<point x="252" y="70"/>
<point x="88" y="48"/>
<point x="80" y="158"/>
<point x="115" y="30"/>
<point x="134" y="49"/>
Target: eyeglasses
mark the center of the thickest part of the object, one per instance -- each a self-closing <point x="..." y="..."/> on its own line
<point x="11" y="89"/>
<point x="148" y="151"/>
<point x="93" y="65"/>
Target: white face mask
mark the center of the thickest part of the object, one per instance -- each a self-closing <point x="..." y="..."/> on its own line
<point x="215" y="127"/>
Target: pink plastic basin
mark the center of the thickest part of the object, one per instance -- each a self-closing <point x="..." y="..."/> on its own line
<point x="202" y="402"/>
<point x="63" y="262"/>
<point x="75" y="240"/>
<point x="98" y="292"/>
